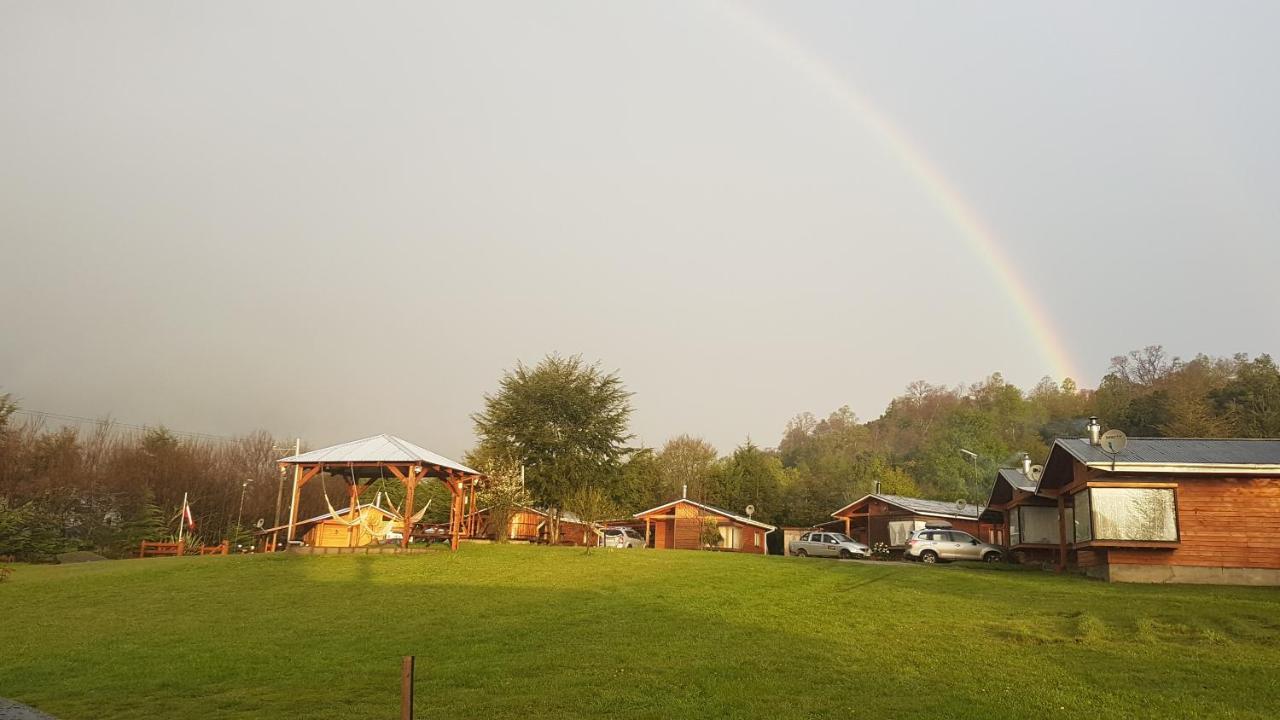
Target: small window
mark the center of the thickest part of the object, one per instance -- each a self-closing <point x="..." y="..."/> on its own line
<point x="961" y="537"/>
<point x="805" y="537"/>
<point x="818" y="538"/>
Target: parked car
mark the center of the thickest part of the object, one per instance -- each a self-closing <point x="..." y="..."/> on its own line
<point x="622" y="538"/>
<point x="828" y="544"/>
<point x="932" y="545"/>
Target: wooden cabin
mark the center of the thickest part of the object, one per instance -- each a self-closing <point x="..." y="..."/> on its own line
<point x="1026" y="524"/>
<point x="890" y="519"/>
<point x="1160" y="510"/>
<point x="679" y="524"/>
<point x="529" y="524"/>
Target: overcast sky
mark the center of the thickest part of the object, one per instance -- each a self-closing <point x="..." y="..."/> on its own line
<point x="340" y="219"/>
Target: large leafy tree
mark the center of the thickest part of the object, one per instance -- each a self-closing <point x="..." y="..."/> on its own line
<point x="564" y="420"/>
<point x="1250" y="401"/>
<point x="686" y="461"/>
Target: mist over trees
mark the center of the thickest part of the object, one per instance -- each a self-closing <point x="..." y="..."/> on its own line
<point x="567" y="422"/>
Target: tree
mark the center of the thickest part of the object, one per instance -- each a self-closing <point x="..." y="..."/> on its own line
<point x="592" y="506"/>
<point x="502" y="494"/>
<point x="709" y="535"/>
<point x="686" y="461"/>
<point x="1250" y="401"/>
<point x="564" y="420"/>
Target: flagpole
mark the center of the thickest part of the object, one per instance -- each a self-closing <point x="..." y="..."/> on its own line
<point x="182" y="517"/>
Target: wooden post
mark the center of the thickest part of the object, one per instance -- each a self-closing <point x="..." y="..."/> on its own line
<point x="471" y="509"/>
<point x="1061" y="532"/>
<point x="456" y="513"/>
<point x="409" y="486"/>
<point x="406" y="688"/>
<point x="648" y="528"/>
<point x="142" y="551"/>
<point x="846" y="526"/>
<point x="293" y="505"/>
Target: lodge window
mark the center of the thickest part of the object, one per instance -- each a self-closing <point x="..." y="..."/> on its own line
<point x="1130" y="514"/>
<point x="728" y="536"/>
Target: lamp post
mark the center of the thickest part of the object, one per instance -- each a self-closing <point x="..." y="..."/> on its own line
<point x="977" y="479"/>
<point x="243" y="486"/>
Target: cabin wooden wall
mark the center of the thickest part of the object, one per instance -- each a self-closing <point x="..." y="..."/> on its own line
<point x="1222" y="522"/>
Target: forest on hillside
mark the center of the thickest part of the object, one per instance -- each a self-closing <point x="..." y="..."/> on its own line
<point x="105" y="487"/>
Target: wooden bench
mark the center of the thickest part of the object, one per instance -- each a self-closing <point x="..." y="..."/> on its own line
<point x="162" y="549"/>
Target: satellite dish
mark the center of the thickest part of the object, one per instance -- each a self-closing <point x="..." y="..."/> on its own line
<point x="1113" y="442"/>
<point x="961" y="504"/>
<point x="751" y="510"/>
<point x="260" y="523"/>
<point x="1036" y="472"/>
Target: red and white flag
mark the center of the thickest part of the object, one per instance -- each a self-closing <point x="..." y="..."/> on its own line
<point x="186" y="516"/>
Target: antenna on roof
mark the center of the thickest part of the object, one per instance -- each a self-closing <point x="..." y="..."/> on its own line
<point x="751" y="510"/>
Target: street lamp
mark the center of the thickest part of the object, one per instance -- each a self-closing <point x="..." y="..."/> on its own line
<point x="243" y="486"/>
<point x="977" y="479"/>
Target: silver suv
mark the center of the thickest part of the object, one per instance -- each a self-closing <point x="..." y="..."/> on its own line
<point x="931" y="545"/>
<point x="828" y="544"/>
<point x="621" y="537"/>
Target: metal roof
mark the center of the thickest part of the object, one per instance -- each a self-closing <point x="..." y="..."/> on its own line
<point x="1015" y="478"/>
<point x="712" y="508"/>
<point x="936" y="508"/>
<point x="1180" y="451"/>
<point x="378" y="449"/>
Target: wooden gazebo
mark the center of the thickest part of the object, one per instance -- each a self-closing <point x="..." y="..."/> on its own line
<point x="360" y="462"/>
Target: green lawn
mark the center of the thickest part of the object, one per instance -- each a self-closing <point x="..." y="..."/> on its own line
<point x="515" y="631"/>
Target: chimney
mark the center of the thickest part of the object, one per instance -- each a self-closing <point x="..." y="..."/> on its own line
<point x="684" y="491"/>
<point x="1026" y="464"/>
<point x="1095" y="430"/>
<point x="877" y="487"/>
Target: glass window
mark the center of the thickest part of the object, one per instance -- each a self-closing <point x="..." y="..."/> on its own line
<point x="961" y="537"/>
<point x="729" y="536"/>
<point x="1134" y="514"/>
<point x="1015" y="534"/>
<point x="1083" y="516"/>
<point x="1039" y="525"/>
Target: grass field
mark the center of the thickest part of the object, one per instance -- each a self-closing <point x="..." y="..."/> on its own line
<point x="528" y="632"/>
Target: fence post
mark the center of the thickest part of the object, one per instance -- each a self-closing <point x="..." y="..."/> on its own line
<point x="142" y="549"/>
<point x="406" y="688"/>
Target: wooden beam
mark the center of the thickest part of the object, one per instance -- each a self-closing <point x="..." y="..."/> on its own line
<point x="1062" y="533"/>
<point x="410" y="485"/>
<point x="455" y="515"/>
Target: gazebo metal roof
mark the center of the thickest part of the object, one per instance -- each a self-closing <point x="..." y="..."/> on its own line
<point x="378" y="449"/>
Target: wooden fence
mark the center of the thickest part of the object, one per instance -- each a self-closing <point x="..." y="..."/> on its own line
<point x="176" y="549"/>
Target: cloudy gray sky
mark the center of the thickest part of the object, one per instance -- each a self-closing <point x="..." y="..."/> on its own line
<point x="338" y="219"/>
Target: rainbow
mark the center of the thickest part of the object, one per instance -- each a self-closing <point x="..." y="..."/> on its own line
<point x="980" y="239"/>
